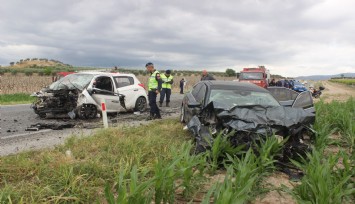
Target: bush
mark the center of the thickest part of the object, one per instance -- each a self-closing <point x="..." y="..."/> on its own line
<point x="14" y="72"/>
<point x="28" y="72"/>
<point x="47" y="71"/>
<point x="41" y="73"/>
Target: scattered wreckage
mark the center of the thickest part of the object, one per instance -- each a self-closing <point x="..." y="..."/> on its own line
<point x="81" y="94"/>
<point x="249" y="113"/>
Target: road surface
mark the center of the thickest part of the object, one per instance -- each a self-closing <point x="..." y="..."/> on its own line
<point x="14" y="119"/>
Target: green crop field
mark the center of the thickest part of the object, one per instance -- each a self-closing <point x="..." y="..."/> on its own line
<point x="344" y="81"/>
<point x="154" y="164"/>
<point x="17" y="98"/>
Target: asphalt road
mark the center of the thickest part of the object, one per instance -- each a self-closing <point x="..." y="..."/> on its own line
<point x="14" y="119"/>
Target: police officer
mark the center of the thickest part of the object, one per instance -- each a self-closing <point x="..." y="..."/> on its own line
<point x="167" y="80"/>
<point x="154" y="87"/>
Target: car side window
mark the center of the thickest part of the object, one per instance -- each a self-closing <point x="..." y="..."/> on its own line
<point x="122" y="81"/>
<point x="195" y="90"/>
<point x="201" y="94"/>
<point x="104" y="83"/>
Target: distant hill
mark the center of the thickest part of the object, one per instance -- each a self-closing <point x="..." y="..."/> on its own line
<point x="324" y="77"/>
<point x="37" y="62"/>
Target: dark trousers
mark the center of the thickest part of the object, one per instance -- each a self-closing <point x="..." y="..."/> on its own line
<point x="154" y="110"/>
<point x="164" y="92"/>
<point x="181" y="89"/>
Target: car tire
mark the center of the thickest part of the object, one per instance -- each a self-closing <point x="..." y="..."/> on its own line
<point x="182" y="114"/>
<point x="141" y="104"/>
<point x="87" y="111"/>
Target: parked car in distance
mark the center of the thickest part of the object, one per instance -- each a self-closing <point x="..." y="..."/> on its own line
<point x="298" y="86"/>
<point x="81" y="94"/>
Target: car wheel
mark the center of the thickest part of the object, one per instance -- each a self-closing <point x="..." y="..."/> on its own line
<point x="141" y="104"/>
<point x="182" y="114"/>
<point x="87" y="111"/>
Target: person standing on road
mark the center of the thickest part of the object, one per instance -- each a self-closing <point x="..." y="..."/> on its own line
<point x="167" y="80"/>
<point x="154" y="87"/>
<point x="206" y="76"/>
<point x="182" y="84"/>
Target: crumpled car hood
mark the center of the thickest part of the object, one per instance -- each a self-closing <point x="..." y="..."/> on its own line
<point x="252" y="118"/>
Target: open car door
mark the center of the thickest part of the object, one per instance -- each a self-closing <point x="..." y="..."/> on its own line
<point x="304" y="100"/>
<point x="284" y="96"/>
<point x="103" y="89"/>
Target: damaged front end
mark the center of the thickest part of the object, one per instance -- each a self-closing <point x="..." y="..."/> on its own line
<point x="55" y="102"/>
<point x="251" y="124"/>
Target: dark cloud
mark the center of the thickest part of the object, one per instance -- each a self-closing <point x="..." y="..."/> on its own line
<point x="290" y="37"/>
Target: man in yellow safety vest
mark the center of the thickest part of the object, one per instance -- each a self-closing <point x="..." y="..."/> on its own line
<point x="154" y="87"/>
<point x="167" y="80"/>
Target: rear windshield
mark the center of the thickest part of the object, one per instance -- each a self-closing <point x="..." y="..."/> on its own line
<point x="251" y="75"/>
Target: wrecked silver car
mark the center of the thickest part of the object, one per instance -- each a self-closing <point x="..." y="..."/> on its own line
<point x="81" y="94"/>
<point x="249" y="112"/>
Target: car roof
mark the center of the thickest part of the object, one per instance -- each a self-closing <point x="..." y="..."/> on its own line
<point x="105" y="73"/>
<point x="234" y="85"/>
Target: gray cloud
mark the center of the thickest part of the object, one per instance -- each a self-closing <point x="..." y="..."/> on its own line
<point x="290" y="37"/>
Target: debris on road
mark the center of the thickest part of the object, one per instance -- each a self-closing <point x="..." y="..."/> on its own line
<point x="53" y="126"/>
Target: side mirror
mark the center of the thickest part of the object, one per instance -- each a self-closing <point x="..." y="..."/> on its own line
<point x="193" y="105"/>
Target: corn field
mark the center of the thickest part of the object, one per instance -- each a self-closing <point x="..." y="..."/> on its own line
<point x="20" y="83"/>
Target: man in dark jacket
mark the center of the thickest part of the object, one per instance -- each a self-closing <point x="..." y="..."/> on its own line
<point x="206" y="76"/>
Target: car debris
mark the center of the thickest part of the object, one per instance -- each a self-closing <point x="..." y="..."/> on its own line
<point x="248" y="114"/>
<point x="80" y="95"/>
<point x="53" y="126"/>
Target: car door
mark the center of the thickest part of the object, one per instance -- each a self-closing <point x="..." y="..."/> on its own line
<point x="304" y="100"/>
<point x="125" y="86"/>
<point x="191" y="98"/>
<point x="104" y="90"/>
<point x="284" y="96"/>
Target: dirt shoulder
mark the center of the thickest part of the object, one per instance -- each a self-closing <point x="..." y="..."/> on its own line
<point x="338" y="92"/>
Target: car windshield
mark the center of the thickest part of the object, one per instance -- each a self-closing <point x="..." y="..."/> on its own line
<point x="251" y="75"/>
<point x="72" y="81"/>
<point x="233" y="98"/>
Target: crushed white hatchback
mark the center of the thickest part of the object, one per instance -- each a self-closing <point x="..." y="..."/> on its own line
<point x="81" y="94"/>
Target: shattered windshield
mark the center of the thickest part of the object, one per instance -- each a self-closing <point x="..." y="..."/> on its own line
<point x="233" y="98"/>
<point x="251" y="75"/>
<point x="72" y="81"/>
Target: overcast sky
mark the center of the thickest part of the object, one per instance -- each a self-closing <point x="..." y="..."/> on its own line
<point x="290" y="37"/>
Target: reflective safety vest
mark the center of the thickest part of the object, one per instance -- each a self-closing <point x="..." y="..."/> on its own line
<point x="153" y="83"/>
<point x="166" y="79"/>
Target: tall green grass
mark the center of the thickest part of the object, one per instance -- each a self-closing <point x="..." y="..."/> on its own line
<point x="244" y="173"/>
<point x="18" y="98"/>
<point x="326" y="180"/>
<point x="51" y="176"/>
<point x="335" y="117"/>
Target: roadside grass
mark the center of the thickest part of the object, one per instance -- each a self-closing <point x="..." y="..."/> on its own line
<point x="18" y="98"/>
<point x="80" y="176"/>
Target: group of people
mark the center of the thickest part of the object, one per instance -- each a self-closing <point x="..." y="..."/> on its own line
<point x="281" y="83"/>
<point x="162" y="83"/>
